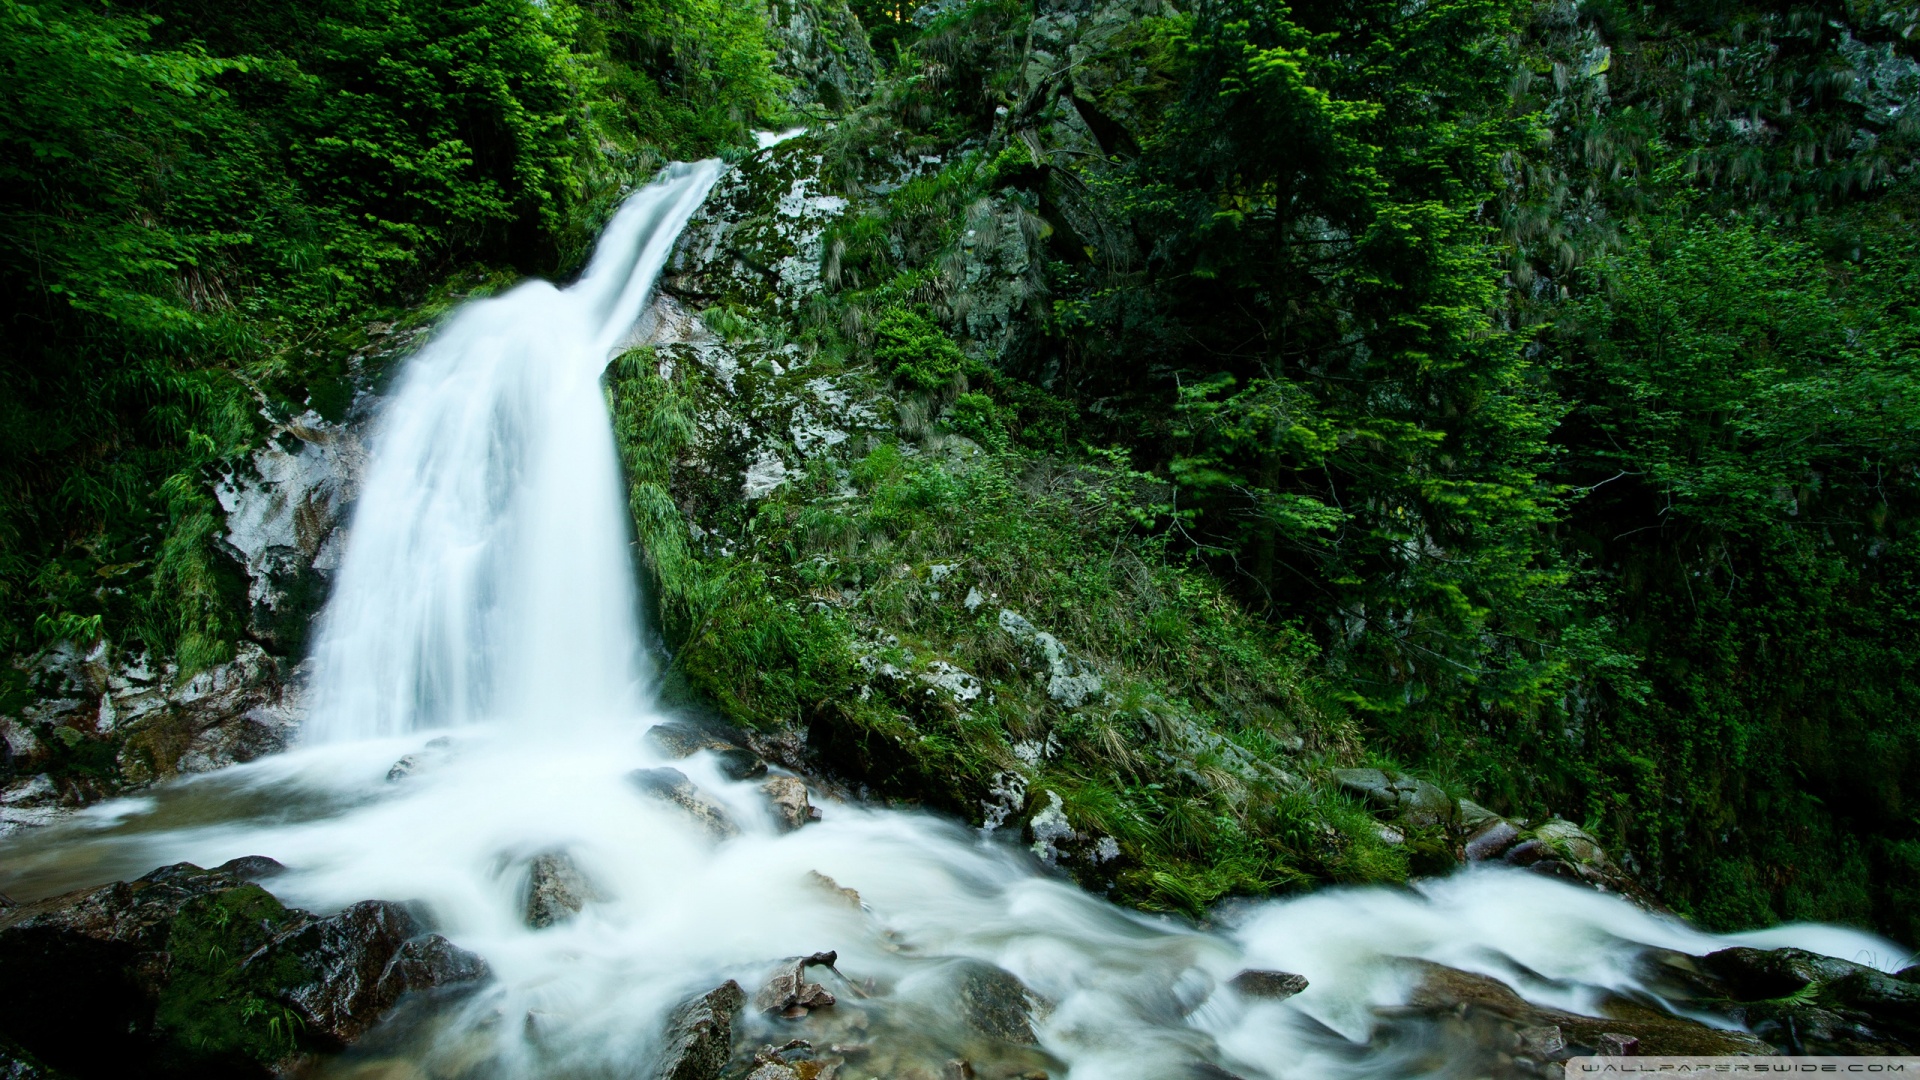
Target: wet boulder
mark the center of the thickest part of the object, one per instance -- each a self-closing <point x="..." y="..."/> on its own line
<point x="1807" y="1002"/>
<point x="1490" y="840"/>
<point x="1479" y="1013"/>
<point x="347" y="970"/>
<point x="556" y="889"/>
<point x="672" y="786"/>
<point x="996" y="1003"/>
<point x="1272" y="985"/>
<point x="192" y="972"/>
<point x="787" y="796"/>
<point x="679" y="739"/>
<point x="789" y="993"/>
<point x="699" y="1037"/>
<point x="251" y="868"/>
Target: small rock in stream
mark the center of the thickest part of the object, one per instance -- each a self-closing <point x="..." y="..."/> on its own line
<point x="791" y="809"/>
<point x="678" y="739"/>
<point x="700" y="1035"/>
<point x="435" y="751"/>
<point x="850" y="897"/>
<point x="1274" y="985"/>
<point x="672" y="785"/>
<point x="556" y="889"/>
<point x="788" y="992"/>
<point x="994" y="1002"/>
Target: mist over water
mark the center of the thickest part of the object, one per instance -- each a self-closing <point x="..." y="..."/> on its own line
<point x="487" y="597"/>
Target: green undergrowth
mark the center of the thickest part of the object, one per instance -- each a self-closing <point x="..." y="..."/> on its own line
<point x="838" y="602"/>
<point x="214" y="218"/>
<point x="215" y="1003"/>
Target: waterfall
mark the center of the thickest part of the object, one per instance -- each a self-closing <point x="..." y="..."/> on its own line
<point x="487" y="573"/>
<point x="485" y="625"/>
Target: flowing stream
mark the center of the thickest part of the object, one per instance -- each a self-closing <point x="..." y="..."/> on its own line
<point x="485" y="621"/>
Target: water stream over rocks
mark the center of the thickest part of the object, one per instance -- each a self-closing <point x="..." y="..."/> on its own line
<point x="476" y="751"/>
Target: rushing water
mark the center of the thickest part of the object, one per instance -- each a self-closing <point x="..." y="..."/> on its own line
<point x="485" y="621"/>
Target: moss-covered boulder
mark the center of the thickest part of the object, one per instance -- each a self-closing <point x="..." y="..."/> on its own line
<point x="201" y="973"/>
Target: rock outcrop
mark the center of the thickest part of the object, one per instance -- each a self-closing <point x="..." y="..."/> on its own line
<point x="101" y="723"/>
<point x="699" y="1037"/>
<point x="201" y="972"/>
<point x="286" y="509"/>
<point x="1801" y="1002"/>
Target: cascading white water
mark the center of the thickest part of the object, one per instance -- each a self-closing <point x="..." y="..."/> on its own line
<point x="487" y="573"/>
<point x="488" y="591"/>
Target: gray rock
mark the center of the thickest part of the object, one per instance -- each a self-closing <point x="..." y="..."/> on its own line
<point x="1415" y="801"/>
<point x="1277" y="985"/>
<point x="1470" y="815"/>
<point x="788" y="992"/>
<point x="251" y="867"/>
<point x="822" y="50"/>
<point x="1562" y="849"/>
<point x="1490" y="840"/>
<point x="433" y="961"/>
<point x="556" y="889"/>
<point x="995" y="1003"/>
<point x="672" y="786"/>
<point x="1370" y="784"/>
<point x="677" y="739"/>
<point x="788" y="797"/>
<point x="1426" y="805"/>
<point x="700" y="1035"/>
<point x="1071" y="681"/>
<point x="361" y="961"/>
<point x="285" y="508"/>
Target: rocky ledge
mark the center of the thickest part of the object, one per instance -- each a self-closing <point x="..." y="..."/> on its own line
<point x="202" y="973"/>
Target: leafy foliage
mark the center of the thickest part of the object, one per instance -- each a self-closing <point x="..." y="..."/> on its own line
<point x="201" y="203"/>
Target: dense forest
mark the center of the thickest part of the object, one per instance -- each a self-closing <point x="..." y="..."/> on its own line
<point x="1522" y="394"/>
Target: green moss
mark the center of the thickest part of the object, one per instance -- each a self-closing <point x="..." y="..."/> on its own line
<point x="796" y="613"/>
<point x="216" y="1005"/>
